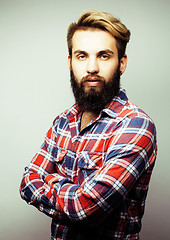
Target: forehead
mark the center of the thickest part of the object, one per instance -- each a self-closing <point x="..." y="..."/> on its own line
<point x="93" y="40"/>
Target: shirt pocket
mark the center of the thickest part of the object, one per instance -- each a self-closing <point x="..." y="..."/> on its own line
<point x="89" y="163"/>
<point x="63" y="163"/>
<point x="59" y="154"/>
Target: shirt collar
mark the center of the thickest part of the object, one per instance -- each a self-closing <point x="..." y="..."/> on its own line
<point x="117" y="104"/>
<point x="112" y="110"/>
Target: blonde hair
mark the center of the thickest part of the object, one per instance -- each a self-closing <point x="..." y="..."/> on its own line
<point x="93" y="19"/>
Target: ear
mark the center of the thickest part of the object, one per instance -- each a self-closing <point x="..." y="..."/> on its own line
<point x="69" y="62"/>
<point x="123" y="63"/>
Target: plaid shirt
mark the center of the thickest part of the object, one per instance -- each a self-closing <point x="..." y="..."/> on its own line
<point x="94" y="182"/>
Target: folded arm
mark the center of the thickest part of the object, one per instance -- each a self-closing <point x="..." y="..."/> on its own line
<point x="132" y="151"/>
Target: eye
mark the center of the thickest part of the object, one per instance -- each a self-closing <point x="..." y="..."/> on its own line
<point x="104" y="56"/>
<point x="81" y="57"/>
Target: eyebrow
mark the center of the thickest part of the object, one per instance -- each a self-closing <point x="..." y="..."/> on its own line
<point x="80" y="51"/>
<point x="105" y="51"/>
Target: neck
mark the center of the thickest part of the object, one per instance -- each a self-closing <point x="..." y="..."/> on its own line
<point x="87" y="117"/>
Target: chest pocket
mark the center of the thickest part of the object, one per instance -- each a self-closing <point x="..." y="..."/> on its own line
<point x="63" y="162"/>
<point x="59" y="154"/>
<point x="89" y="163"/>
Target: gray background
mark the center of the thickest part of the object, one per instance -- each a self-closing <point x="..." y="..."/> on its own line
<point x="34" y="89"/>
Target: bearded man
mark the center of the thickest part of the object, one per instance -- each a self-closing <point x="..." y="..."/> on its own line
<point x="92" y="172"/>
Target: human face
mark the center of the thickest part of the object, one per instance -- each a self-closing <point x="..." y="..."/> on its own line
<point x="94" y="58"/>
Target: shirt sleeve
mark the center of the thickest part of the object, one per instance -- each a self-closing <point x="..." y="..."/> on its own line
<point x="33" y="186"/>
<point x="131" y="153"/>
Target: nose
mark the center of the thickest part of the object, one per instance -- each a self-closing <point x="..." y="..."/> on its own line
<point x="92" y="66"/>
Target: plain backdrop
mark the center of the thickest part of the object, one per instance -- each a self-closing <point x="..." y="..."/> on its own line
<point x="35" y="88"/>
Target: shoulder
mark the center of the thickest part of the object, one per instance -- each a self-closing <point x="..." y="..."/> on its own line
<point x="60" y="116"/>
<point x="135" y="120"/>
<point x="63" y="119"/>
<point x="134" y="132"/>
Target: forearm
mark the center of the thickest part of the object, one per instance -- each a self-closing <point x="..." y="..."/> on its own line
<point x="103" y="193"/>
<point x="100" y="193"/>
<point x="32" y="188"/>
<point x="89" y="203"/>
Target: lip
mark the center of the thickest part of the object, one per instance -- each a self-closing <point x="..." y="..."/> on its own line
<point x="92" y="79"/>
<point x="93" y="82"/>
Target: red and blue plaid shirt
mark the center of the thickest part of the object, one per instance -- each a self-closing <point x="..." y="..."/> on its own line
<point x="94" y="182"/>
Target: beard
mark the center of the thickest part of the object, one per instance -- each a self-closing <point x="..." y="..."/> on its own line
<point x="94" y="100"/>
